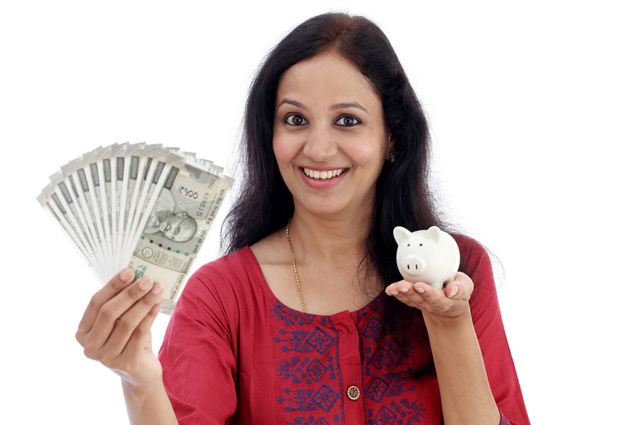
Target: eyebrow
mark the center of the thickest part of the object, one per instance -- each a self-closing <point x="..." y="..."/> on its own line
<point x="353" y="104"/>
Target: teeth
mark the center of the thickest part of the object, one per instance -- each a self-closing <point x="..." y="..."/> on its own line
<point x="322" y="175"/>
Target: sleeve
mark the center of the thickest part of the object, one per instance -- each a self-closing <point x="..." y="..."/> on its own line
<point x="492" y="339"/>
<point x="197" y="358"/>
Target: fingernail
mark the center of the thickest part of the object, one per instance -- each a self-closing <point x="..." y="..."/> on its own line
<point x="126" y="274"/>
<point x="145" y="283"/>
<point x="405" y="290"/>
<point x="454" y="291"/>
<point x="420" y="289"/>
<point x="157" y="289"/>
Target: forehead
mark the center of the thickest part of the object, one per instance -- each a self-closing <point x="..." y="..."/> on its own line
<point x="327" y="77"/>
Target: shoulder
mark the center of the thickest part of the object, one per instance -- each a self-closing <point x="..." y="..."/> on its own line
<point x="237" y="271"/>
<point x="225" y="266"/>
<point x="269" y="251"/>
<point x="475" y="261"/>
<point x="472" y="252"/>
<point x="217" y="278"/>
<point x="225" y="276"/>
<point x="468" y="245"/>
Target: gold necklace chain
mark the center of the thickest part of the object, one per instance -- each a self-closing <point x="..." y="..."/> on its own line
<point x="295" y="269"/>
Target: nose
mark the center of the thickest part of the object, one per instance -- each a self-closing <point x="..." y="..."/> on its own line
<point x="413" y="264"/>
<point x="320" y="144"/>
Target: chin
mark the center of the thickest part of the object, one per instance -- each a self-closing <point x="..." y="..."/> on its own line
<point x="322" y="207"/>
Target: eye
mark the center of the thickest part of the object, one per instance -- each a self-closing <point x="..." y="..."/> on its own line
<point x="296" y="121"/>
<point x="348" y="121"/>
<point x="408" y="244"/>
<point x="420" y="244"/>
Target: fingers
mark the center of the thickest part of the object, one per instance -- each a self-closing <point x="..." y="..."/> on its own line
<point x="136" y="320"/>
<point x="111" y="311"/>
<point x="413" y="294"/>
<point x="458" y="289"/>
<point x="141" y="338"/>
<point x="114" y="286"/>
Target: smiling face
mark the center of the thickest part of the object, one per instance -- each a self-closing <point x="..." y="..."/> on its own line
<point x="329" y="118"/>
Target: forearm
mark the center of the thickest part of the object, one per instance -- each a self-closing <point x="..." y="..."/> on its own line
<point x="464" y="387"/>
<point x="149" y="406"/>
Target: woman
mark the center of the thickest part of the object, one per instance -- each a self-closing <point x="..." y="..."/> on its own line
<point x="293" y="325"/>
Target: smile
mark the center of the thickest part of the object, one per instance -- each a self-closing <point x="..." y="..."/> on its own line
<point x="324" y="179"/>
<point x="323" y="175"/>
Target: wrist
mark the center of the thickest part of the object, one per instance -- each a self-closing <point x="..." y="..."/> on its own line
<point x="142" y="391"/>
<point x="433" y="321"/>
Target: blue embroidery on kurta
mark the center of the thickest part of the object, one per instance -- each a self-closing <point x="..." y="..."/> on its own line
<point x="310" y="351"/>
<point x="404" y="413"/>
<point x="311" y="356"/>
<point x="309" y="400"/>
<point x="295" y="340"/>
<point x="320" y="340"/>
<point x="311" y="420"/>
<point x="373" y="328"/>
<point x="376" y="389"/>
<point x="305" y="370"/>
<point x="385" y="360"/>
<point x="316" y="370"/>
<point x="325" y="397"/>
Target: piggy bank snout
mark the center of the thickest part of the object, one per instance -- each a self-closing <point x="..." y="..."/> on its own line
<point x="412" y="264"/>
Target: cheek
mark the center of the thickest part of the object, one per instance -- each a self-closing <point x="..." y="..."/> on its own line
<point x="283" y="148"/>
<point x="366" y="150"/>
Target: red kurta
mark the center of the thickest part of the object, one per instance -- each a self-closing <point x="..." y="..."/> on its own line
<point x="234" y="354"/>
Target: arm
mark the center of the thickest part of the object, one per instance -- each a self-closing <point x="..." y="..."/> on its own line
<point x="150" y="405"/>
<point x="464" y="386"/>
<point x="476" y="375"/>
<point x="487" y="322"/>
<point x="198" y="352"/>
<point x="474" y="352"/>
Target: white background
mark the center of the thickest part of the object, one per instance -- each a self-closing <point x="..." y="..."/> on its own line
<point x="534" y="112"/>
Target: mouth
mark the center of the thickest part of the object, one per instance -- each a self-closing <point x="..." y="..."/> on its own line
<point x="323" y="178"/>
<point x="323" y="174"/>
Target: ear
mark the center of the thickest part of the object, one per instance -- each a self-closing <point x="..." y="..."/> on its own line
<point x="400" y="234"/>
<point x="390" y="145"/>
<point x="432" y="234"/>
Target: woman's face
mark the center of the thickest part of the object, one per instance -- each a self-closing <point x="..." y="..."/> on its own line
<point x="329" y="120"/>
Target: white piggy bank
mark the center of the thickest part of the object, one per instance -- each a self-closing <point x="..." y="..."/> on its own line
<point x="431" y="256"/>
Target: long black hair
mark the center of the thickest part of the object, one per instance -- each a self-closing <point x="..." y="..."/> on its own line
<point x="403" y="196"/>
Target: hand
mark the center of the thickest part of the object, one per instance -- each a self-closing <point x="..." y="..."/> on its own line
<point x="115" y="328"/>
<point x="450" y="302"/>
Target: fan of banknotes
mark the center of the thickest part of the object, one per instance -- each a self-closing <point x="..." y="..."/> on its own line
<point x="144" y="206"/>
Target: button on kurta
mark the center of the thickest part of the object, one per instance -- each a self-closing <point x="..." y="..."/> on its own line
<point x="353" y="392"/>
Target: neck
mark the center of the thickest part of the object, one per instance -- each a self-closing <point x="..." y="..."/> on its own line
<point x="329" y="242"/>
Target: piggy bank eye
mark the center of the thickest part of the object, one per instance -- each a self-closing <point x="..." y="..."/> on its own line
<point x="408" y="244"/>
<point x="420" y="244"/>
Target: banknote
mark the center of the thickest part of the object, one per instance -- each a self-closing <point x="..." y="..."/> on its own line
<point x="140" y="205"/>
<point x="176" y="227"/>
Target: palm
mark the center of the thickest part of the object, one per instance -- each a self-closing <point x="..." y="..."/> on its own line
<point x="142" y="363"/>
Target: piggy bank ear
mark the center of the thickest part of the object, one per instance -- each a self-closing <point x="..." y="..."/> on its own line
<point x="400" y="234"/>
<point x="432" y="234"/>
